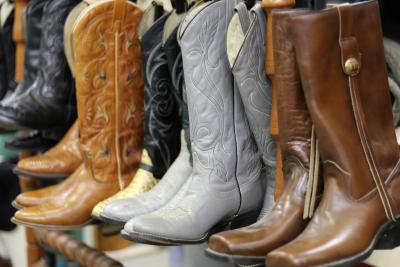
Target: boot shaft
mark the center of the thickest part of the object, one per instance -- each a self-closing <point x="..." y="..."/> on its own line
<point x="295" y="126"/>
<point x="349" y="102"/>
<point x="162" y="122"/>
<point x="7" y="22"/>
<point x="33" y="25"/>
<point x="222" y="147"/>
<point x="247" y="64"/>
<point x="109" y="85"/>
<point x="33" y="28"/>
<point x="54" y="70"/>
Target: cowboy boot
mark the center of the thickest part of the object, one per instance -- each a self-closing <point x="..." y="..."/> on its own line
<point x="67" y="148"/>
<point x="55" y="192"/>
<point x="342" y="69"/>
<point x="225" y="184"/>
<point x="120" y="211"/>
<point x="33" y="141"/>
<point x="33" y="28"/>
<point x="7" y="48"/>
<point x="286" y="220"/>
<point x="48" y="102"/>
<point x="57" y="163"/>
<point x="162" y="122"/>
<point x="110" y="114"/>
<point x="246" y="59"/>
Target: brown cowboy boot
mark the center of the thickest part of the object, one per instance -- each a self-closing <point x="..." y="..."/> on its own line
<point x="57" y="163"/>
<point x="288" y="217"/>
<point x="342" y="67"/>
<point x="110" y="95"/>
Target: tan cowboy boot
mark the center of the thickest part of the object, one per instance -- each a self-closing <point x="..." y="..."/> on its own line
<point x="110" y="96"/>
<point x="49" y="163"/>
<point x="59" y="162"/>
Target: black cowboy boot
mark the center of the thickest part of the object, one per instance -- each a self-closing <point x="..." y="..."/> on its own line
<point x="33" y="28"/>
<point x="48" y="102"/>
<point x="7" y="49"/>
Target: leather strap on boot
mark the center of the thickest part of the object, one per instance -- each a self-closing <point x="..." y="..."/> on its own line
<point x="351" y="64"/>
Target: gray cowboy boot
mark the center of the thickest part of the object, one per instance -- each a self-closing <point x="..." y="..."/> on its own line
<point x="120" y="211"/>
<point x="246" y="54"/>
<point x="225" y="185"/>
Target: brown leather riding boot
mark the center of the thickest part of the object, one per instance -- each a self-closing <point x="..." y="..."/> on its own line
<point x="342" y="67"/>
<point x="57" y="163"/>
<point x="286" y="220"/>
<point x="110" y="101"/>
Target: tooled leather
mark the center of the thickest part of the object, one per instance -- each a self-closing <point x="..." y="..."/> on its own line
<point x="63" y="158"/>
<point x="162" y="122"/>
<point x="110" y="108"/>
<point x="351" y="210"/>
<point x="254" y="87"/>
<point x="174" y="57"/>
<point x="109" y="117"/>
<point x="211" y="123"/>
<point x="33" y="18"/>
<point x="48" y="102"/>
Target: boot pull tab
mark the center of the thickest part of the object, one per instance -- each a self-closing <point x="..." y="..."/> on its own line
<point x="118" y="14"/>
<point x="350" y="53"/>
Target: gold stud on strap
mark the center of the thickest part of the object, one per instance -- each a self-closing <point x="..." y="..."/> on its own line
<point x="352" y="66"/>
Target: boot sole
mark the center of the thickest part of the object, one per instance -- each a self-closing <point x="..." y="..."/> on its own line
<point x="52" y="227"/>
<point x="110" y="230"/>
<point x="235" y="259"/>
<point x="109" y="220"/>
<point x="46" y="176"/>
<point x="150" y="239"/>
<point x="16" y="205"/>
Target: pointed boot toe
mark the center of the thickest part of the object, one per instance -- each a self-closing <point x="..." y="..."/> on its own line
<point x="28" y="199"/>
<point x="146" y="224"/>
<point x="116" y="211"/>
<point x="33" y="216"/>
<point x="150" y="229"/>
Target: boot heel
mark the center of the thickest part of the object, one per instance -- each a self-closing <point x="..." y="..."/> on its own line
<point x="390" y="238"/>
